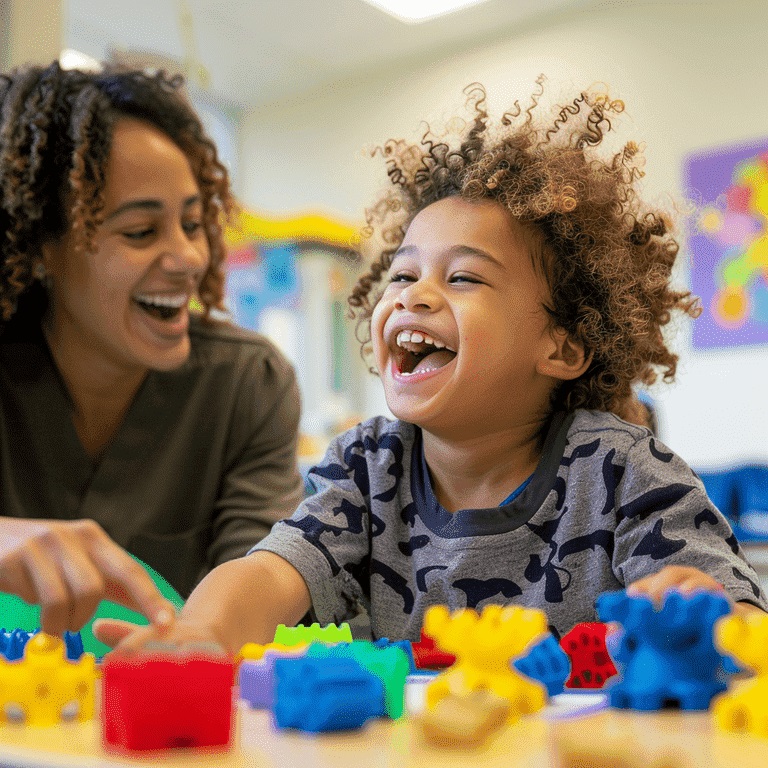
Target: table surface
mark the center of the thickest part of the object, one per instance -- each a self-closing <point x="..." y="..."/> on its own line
<point x="575" y="731"/>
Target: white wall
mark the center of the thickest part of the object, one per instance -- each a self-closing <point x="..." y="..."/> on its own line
<point x="693" y="75"/>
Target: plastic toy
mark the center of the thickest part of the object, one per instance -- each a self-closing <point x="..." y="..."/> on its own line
<point x="390" y="665"/>
<point x="330" y="694"/>
<point x="403" y="645"/>
<point x="464" y="721"/>
<point x="313" y="634"/>
<point x="156" y="700"/>
<point x="257" y="677"/>
<point x="667" y="657"/>
<point x="591" y="664"/>
<point x="484" y="645"/>
<point x="12" y="644"/>
<point x="547" y="663"/>
<point x="745" y="709"/>
<point x="427" y="655"/>
<point x="44" y="688"/>
<point x="256" y="652"/>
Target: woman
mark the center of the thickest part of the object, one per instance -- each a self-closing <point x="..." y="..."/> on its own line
<point x="127" y="422"/>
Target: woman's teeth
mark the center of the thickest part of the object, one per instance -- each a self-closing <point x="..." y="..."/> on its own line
<point x="163" y="306"/>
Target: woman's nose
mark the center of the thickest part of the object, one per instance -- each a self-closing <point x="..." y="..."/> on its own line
<point x="185" y="254"/>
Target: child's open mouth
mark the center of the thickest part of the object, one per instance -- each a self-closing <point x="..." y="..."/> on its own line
<point x="417" y="352"/>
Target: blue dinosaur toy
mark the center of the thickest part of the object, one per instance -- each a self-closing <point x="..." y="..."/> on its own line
<point x="546" y="662"/>
<point x="666" y="657"/>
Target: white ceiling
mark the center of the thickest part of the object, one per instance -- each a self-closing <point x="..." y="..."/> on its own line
<point x="261" y="51"/>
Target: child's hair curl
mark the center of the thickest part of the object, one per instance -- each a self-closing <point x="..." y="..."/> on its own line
<point x="606" y="256"/>
<point x="55" y="137"/>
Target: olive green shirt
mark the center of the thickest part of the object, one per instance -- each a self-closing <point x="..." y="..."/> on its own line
<point x="203" y="464"/>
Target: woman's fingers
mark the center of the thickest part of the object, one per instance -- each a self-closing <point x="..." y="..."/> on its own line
<point x="50" y="589"/>
<point x="112" y="631"/>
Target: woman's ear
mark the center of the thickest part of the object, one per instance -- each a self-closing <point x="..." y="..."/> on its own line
<point x="565" y="358"/>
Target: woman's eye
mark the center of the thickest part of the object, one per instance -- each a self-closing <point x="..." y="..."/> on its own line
<point x="192" y="227"/>
<point x="138" y="234"/>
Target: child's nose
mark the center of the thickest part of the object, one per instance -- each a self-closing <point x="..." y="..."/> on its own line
<point x="417" y="297"/>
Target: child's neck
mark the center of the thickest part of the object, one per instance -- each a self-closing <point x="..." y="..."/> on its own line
<point x="480" y="472"/>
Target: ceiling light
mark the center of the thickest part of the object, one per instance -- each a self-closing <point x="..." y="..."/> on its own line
<point x="415" y="11"/>
<point x="72" y="59"/>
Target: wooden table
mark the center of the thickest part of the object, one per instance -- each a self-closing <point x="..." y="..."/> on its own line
<point x="559" y="737"/>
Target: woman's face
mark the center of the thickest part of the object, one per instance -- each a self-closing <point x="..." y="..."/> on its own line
<point x="124" y="307"/>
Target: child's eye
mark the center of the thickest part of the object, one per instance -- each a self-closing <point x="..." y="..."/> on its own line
<point x="463" y="279"/>
<point x="401" y="277"/>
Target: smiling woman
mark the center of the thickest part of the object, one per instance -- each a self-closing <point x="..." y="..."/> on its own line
<point x="127" y="421"/>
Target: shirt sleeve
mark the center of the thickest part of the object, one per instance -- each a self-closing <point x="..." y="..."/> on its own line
<point x="664" y="517"/>
<point x="261" y="483"/>
<point x="327" y="539"/>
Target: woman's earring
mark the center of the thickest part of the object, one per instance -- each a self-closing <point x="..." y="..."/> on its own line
<point x="39" y="272"/>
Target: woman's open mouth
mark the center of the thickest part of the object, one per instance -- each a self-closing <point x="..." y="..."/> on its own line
<point x="161" y="306"/>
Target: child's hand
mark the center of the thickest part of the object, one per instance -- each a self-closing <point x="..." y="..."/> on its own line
<point x="680" y="578"/>
<point x="125" y="636"/>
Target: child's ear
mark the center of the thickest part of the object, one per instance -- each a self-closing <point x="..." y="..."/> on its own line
<point x="565" y="357"/>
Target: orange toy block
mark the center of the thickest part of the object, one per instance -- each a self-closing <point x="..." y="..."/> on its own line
<point x="484" y="645"/>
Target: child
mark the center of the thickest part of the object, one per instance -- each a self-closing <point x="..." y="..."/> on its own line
<point x="524" y="290"/>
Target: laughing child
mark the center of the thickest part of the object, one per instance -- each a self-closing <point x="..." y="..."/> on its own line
<point x="519" y="295"/>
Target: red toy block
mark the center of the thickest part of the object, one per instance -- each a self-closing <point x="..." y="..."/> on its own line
<point x="591" y="664"/>
<point x="427" y="655"/>
<point x="160" y="700"/>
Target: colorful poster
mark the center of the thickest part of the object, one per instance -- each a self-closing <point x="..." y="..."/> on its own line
<point x="729" y="244"/>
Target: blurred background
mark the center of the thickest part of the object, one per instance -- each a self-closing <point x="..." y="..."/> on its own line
<point x="296" y="92"/>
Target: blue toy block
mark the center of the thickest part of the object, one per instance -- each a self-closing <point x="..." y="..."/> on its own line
<point x="666" y="657"/>
<point x="256" y="679"/>
<point x="404" y="646"/>
<point x="12" y="644"/>
<point x="547" y="663"/>
<point x="331" y="694"/>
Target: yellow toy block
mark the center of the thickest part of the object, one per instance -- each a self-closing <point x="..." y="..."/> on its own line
<point x="744" y="708"/>
<point x="484" y="644"/>
<point x="255" y="652"/>
<point x="44" y="688"/>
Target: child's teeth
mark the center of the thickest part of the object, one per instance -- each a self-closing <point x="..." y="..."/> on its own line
<point x="438" y="344"/>
<point x="417" y="338"/>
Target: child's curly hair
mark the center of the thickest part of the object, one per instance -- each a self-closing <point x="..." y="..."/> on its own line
<point x="55" y="137"/>
<point x="607" y="257"/>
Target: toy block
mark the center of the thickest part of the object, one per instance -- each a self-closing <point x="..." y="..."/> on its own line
<point x="547" y="663"/>
<point x="257" y="677"/>
<point x="591" y="664"/>
<point x="666" y="656"/>
<point x="44" y="687"/>
<point x="390" y="665"/>
<point x="331" y="694"/>
<point x="427" y="655"/>
<point x="403" y="645"/>
<point x="255" y="651"/>
<point x="313" y="634"/>
<point x="464" y="720"/>
<point x="160" y="700"/>
<point x="745" y="708"/>
<point x="484" y="645"/>
<point x="12" y="644"/>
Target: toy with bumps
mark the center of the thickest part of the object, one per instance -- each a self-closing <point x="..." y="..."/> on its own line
<point x="745" y="709"/>
<point x="484" y="645"/>
<point x="591" y="664"/>
<point x="44" y="687"/>
<point x="666" y="656"/>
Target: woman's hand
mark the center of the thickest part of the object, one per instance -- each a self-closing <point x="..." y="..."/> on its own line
<point x="680" y="578"/>
<point x="125" y="636"/>
<point x="68" y="568"/>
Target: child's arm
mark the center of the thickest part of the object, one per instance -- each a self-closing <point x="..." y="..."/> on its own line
<point x="238" y="602"/>
<point x="685" y="579"/>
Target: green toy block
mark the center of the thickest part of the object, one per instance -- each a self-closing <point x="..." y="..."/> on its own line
<point x="313" y="634"/>
<point x="390" y="665"/>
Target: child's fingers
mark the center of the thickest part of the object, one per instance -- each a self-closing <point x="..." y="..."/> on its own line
<point x="112" y="631"/>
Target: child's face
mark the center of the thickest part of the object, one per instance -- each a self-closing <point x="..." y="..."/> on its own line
<point x="464" y="286"/>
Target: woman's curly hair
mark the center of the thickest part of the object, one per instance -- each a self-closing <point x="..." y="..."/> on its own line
<point x="55" y="137"/>
<point x="606" y="256"/>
